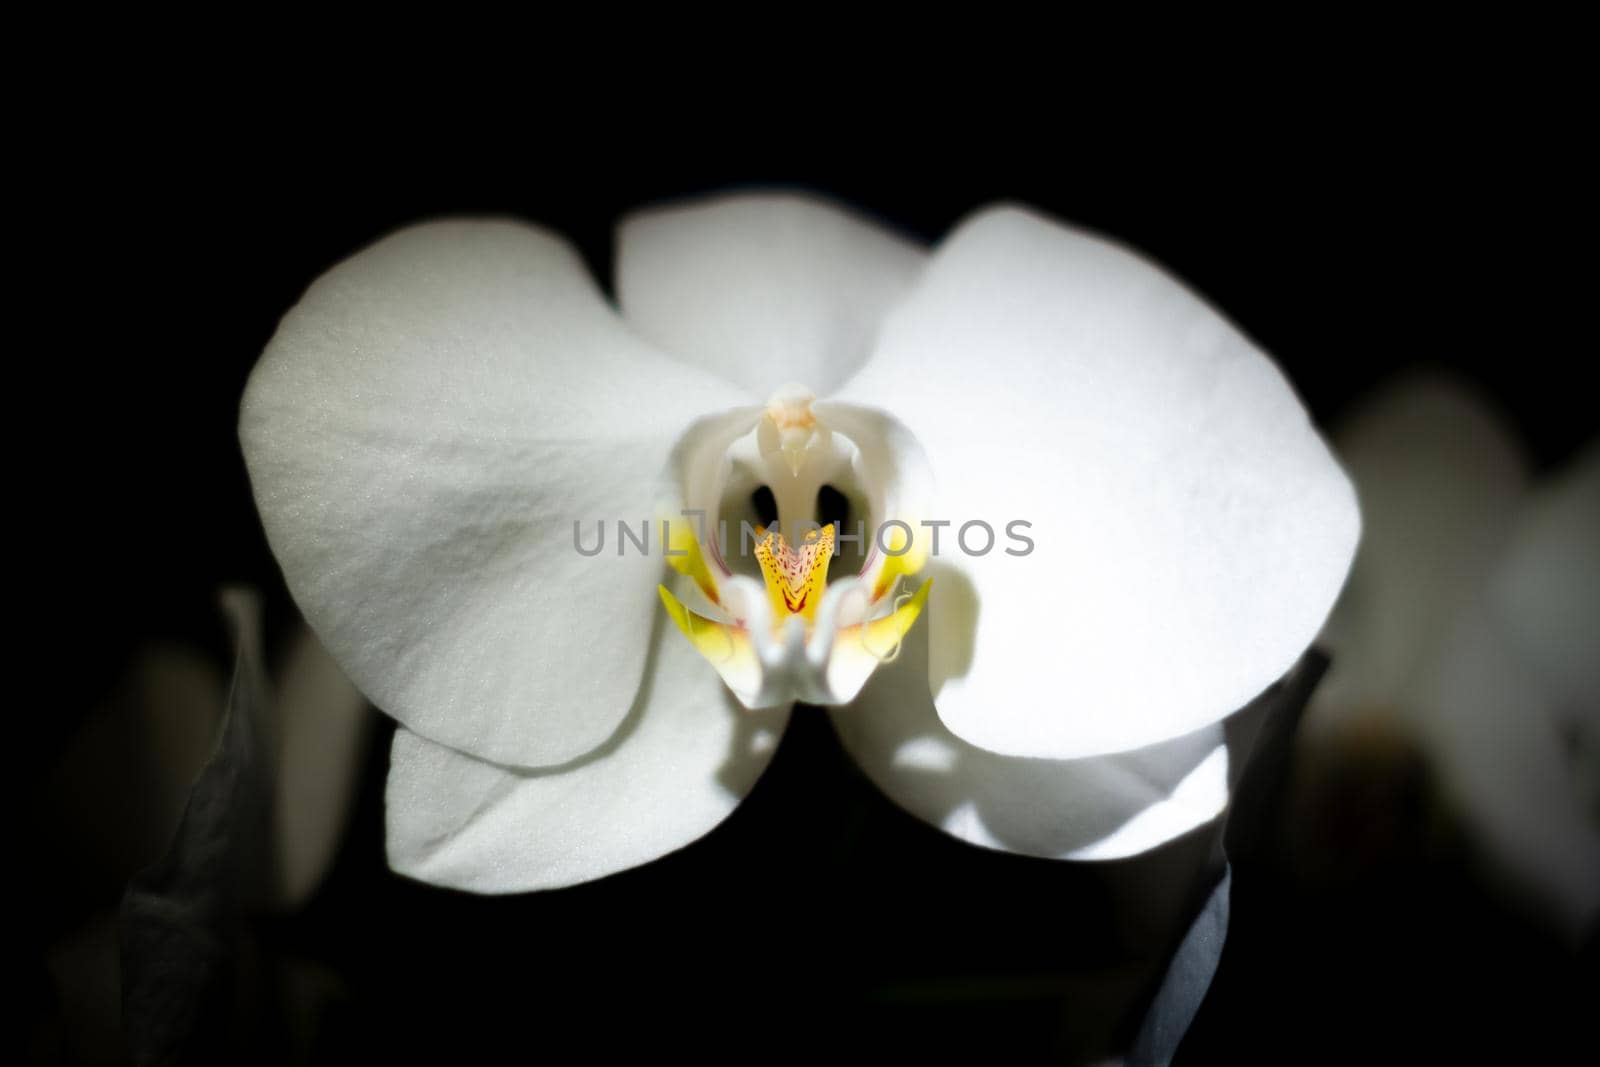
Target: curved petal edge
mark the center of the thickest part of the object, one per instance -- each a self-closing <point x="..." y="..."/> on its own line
<point x="424" y="434"/>
<point x="1187" y="529"/>
<point x="682" y="761"/>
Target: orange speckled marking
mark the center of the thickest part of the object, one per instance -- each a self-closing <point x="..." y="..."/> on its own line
<point x="796" y="578"/>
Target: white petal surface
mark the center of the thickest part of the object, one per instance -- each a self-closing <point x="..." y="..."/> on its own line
<point x="421" y="435"/>
<point x="1099" y="808"/>
<point x="763" y="289"/>
<point x="681" y="762"/>
<point x="1191" y="528"/>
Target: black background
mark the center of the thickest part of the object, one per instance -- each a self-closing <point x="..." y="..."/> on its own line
<point x="1351" y="240"/>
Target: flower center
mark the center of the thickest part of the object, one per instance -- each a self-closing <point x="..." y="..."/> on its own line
<point x="787" y="634"/>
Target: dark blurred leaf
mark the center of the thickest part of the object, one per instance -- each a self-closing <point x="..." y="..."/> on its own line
<point x="1260" y="791"/>
<point x="179" y="943"/>
<point x="1194" y="965"/>
<point x="1187" y="981"/>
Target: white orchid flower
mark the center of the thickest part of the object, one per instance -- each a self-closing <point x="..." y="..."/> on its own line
<point x="1469" y="632"/>
<point x="442" y="414"/>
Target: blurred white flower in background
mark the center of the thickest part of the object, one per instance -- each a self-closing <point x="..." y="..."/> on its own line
<point x="437" y="413"/>
<point x="1470" y="632"/>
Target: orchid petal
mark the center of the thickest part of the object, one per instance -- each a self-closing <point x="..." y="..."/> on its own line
<point x="762" y="289"/>
<point x="680" y="763"/>
<point x="1099" y="808"/>
<point x="860" y="649"/>
<point x="701" y="459"/>
<point x="1190" y="529"/>
<point x="726" y="647"/>
<point x="894" y="470"/>
<point x="421" y="435"/>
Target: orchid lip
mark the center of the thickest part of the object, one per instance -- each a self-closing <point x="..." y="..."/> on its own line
<point x="795" y="578"/>
<point x="791" y="635"/>
<point x="794" y="637"/>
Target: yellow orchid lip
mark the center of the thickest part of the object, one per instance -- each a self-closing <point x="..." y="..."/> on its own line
<point x="760" y="669"/>
<point x="790" y="635"/>
<point x="795" y="578"/>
